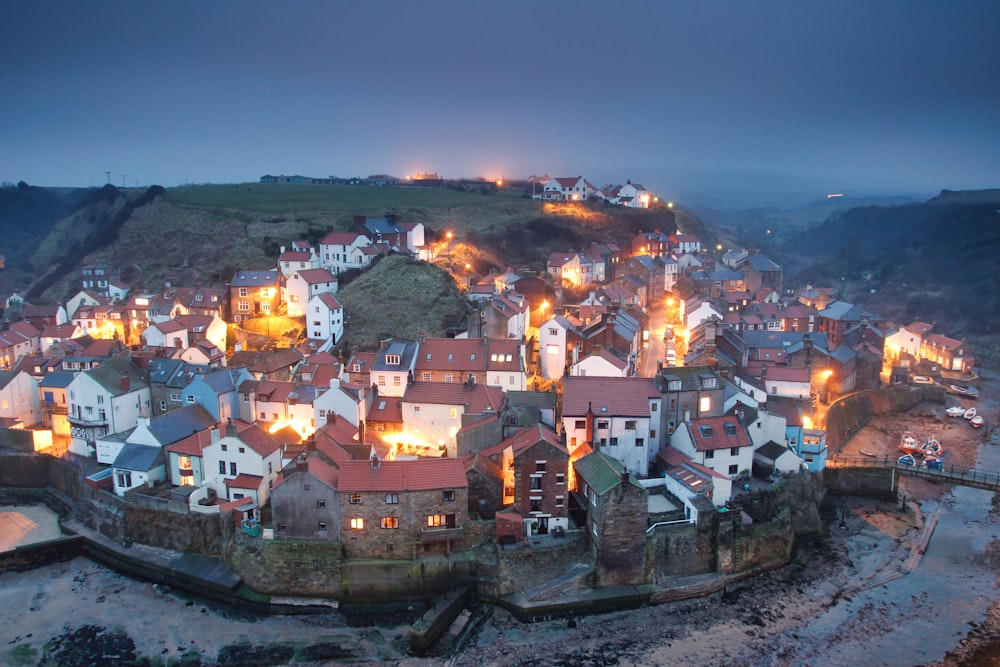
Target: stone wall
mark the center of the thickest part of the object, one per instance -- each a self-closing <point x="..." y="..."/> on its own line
<point x="196" y="533"/>
<point x="685" y="549"/>
<point x="754" y="546"/>
<point x="623" y="551"/>
<point x="526" y="568"/>
<point x="23" y="470"/>
<point x="847" y="415"/>
<point x="870" y="482"/>
<point x="805" y="494"/>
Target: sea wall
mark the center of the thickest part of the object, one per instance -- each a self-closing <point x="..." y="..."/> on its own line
<point x="847" y="415"/>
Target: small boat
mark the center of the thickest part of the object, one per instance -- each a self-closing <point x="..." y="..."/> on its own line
<point x="970" y="413"/>
<point x="955" y="411"/>
<point x="907" y="460"/>
<point x="931" y="448"/>
<point x="865" y="452"/>
<point x="976" y="421"/>
<point x="909" y="444"/>
<point x="969" y="391"/>
<point x="933" y="463"/>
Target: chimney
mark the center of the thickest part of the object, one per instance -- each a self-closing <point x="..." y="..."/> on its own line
<point x="301" y="463"/>
<point x="126" y="383"/>
<point x="213" y="434"/>
<point x="331" y="417"/>
<point x="624" y="475"/>
<point x="589" y="438"/>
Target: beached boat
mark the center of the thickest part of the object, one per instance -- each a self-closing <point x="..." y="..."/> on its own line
<point x="907" y="460"/>
<point x="865" y="452"/>
<point x="955" y="411"/>
<point x="969" y="391"/>
<point x="977" y="421"/>
<point x="970" y="413"/>
<point x="931" y="448"/>
<point x="909" y="444"/>
<point x="933" y="463"/>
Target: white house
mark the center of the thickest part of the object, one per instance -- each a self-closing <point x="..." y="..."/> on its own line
<point x="345" y="402"/>
<point x="19" y="397"/>
<point x="433" y="411"/>
<point x="103" y="400"/>
<point x="719" y="443"/>
<point x="242" y="462"/>
<point x="340" y="251"/>
<point x="137" y="464"/>
<point x="619" y="417"/>
<point x="325" y="320"/>
<point x="552" y="344"/>
<point x="633" y="195"/>
<point x="565" y="189"/>
<point x="600" y="364"/>
<point x="303" y="285"/>
<point x="697" y="310"/>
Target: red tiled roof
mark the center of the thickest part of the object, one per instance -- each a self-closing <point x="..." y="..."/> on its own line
<point x="341" y="238"/>
<point x="294" y="256"/>
<point x="244" y="481"/>
<point x="525" y="439"/>
<point x="787" y="374"/>
<point x="478" y="397"/>
<point x="317" y="276"/>
<point x="626" y="397"/>
<point x="387" y="409"/>
<point x="273" y="391"/>
<point x="711" y="433"/>
<point x="420" y="475"/>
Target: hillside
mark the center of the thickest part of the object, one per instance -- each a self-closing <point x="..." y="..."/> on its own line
<point x="936" y="261"/>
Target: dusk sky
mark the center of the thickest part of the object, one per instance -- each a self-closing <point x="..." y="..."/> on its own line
<point x="854" y="95"/>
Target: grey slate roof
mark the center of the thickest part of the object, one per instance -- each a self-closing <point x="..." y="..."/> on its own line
<point x="142" y="458"/>
<point x="110" y="373"/>
<point x="762" y="264"/>
<point x="56" y="380"/>
<point x="179" y="424"/>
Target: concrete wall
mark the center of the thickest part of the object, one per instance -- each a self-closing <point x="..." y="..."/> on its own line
<point x="847" y="415"/>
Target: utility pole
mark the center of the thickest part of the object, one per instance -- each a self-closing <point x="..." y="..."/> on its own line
<point x="109" y="176"/>
<point x="123" y="180"/>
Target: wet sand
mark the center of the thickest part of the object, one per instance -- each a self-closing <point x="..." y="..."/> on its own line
<point x="27" y="525"/>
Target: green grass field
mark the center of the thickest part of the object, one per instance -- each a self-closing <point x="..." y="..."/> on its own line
<point x="285" y="197"/>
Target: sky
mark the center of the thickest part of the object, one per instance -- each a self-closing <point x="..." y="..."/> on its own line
<point x="867" y="96"/>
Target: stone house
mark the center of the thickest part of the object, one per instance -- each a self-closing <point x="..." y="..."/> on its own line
<point x="401" y="509"/>
<point x="304" y="501"/>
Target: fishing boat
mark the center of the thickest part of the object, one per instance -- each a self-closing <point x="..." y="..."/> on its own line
<point x="969" y="391"/>
<point x="907" y="460"/>
<point x="865" y="452"/>
<point x="909" y="443"/>
<point x="933" y="463"/>
<point x="955" y="411"/>
<point x="976" y="421"/>
<point x="931" y="448"/>
<point x="970" y="413"/>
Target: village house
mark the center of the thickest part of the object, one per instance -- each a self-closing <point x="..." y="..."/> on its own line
<point x="304" y="501"/>
<point x="720" y="443"/>
<point x="433" y="412"/>
<point x="393" y="368"/>
<point x="242" y="463"/>
<point x="399" y="509"/>
<point x="19" y="401"/>
<point x="324" y="320"/>
<point x="614" y="508"/>
<point x="617" y="416"/>
<point x="689" y="391"/>
<point x="18" y="340"/>
<point x="534" y="464"/>
<point x="496" y="362"/>
<point x="302" y="286"/>
<point x="107" y="399"/>
<point x="254" y="293"/>
<point x="217" y="391"/>
<point x="564" y="189"/>
<point x="340" y="400"/>
<point x="500" y="316"/>
<point x="53" y="403"/>
<point x="340" y="251"/>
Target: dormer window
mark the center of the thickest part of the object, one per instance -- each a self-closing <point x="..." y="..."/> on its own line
<point x="729" y="428"/>
<point x="392" y="359"/>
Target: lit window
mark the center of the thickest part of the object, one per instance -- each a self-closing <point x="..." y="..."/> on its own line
<point x="355" y="498"/>
<point x="390" y="522"/>
<point x="357" y="523"/>
<point x="705" y="404"/>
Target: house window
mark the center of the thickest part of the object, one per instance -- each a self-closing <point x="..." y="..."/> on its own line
<point x="225" y="447"/>
<point x="355" y="498"/>
<point x="710" y="454"/>
<point x="560" y="478"/>
<point x="416" y="410"/>
<point x="454" y="413"/>
<point x="652" y="434"/>
<point x="392" y="359"/>
<point x="395" y="381"/>
<point x="357" y="523"/>
<point x="553" y="332"/>
<point x="282" y="527"/>
<point x="734" y="451"/>
<point x="614" y="442"/>
<point x="559" y="501"/>
<point x="441" y="521"/>
<point x="652" y="407"/>
<point x="448" y="377"/>
<point x="630" y="425"/>
<point x="536" y="505"/>
<point x="306" y="487"/>
<point x="639" y="442"/>
<point x="190" y="398"/>
<point x="536" y="483"/>
<point x="232" y="468"/>
<point x="222" y="467"/>
<point x="321" y="504"/>
<point x="243" y="291"/>
<point x="390" y="522"/>
<point x="579" y="423"/>
<point x="448" y="496"/>
<point x="175" y="398"/>
<point x="243" y="306"/>
<point x="426" y="377"/>
<point x="381" y="380"/>
<point x="540" y="466"/>
<point x="705" y="404"/>
<point x="391" y="499"/>
<point x="163" y="406"/>
<point x="100" y="399"/>
<point x="602" y="424"/>
<point x="733" y="469"/>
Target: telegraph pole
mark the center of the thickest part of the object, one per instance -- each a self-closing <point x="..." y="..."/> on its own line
<point x="123" y="180"/>
<point x="109" y="176"/>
